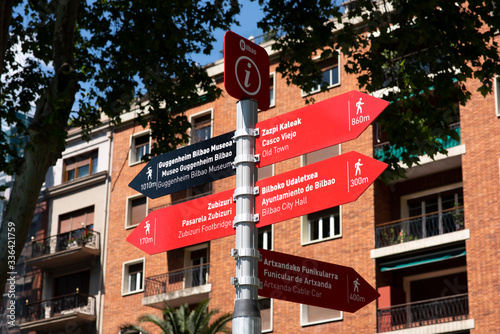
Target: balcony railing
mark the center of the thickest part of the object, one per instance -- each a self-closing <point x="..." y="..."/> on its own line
<point x="58" y="243"/>
<point x="419" y="227"/>
<point x="423" y="313"/>
<point x="68" y="304"/>
<point x="176" y="280"/>
<point x="393" y="152"/>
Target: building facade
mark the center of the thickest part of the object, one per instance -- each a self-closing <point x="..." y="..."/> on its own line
<point x="427" y="243"/>
<point x="61" y="281"/>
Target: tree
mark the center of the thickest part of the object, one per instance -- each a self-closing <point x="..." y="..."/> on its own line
<point x="182" y="321"/>
<point x="98" y="50"/>
<point x="421" y="54"/>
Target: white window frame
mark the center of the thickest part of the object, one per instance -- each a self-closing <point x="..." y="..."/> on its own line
<point x="201" y="114"/>
<point x="272" y="99"/>
<point x="271" y="228"/>
<point x="132" y="157"/>
<point x="304" y="320"/>
<point x="330" y="85"/>
<point x="128" y="212"/>
<point x="497" y="96"/>
<point x="271" y="301"/>
<point x="126" y="277"/>
<point x="306" y="229"/>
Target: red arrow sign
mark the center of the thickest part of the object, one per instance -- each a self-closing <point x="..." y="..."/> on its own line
<point x="323" y="124"/>
<point x="311" y="282"/>
<point x="322" y="185"/>
<point x="186" y="224"/>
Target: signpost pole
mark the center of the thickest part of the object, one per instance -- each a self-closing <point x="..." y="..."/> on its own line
<point x="246" y="315"/>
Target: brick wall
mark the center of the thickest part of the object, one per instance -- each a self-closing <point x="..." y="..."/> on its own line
<point x="480" y="134"/>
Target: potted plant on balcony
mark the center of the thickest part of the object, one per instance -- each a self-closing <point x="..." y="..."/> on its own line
<point x="458" y="217"/>
<point x="87" y="236"/>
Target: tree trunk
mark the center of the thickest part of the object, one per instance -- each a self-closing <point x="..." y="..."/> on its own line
<point x="47" y="135"/>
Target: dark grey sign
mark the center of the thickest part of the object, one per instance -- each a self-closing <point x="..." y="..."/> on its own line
<point x="187" y="167"/>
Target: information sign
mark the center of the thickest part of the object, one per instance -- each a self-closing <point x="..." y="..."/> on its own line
<point x="246" y="70"/>
<point x="187" y="167"/>
<point x="322" y="185"/>
<point x="306" y="281"/>
<point x="185" y="224"/>
<point x="319" y="125"/>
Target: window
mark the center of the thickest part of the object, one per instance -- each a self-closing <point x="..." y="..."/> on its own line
<point x="197" y="265"/>
<point x="266" y="313"/>
<point x="70" y="284"/>
<point x="326" y="224"/>
<point x="191" y="193"/>
<point x="326" y="153"/>
<point x="311" y="315"/>
<point x="75" y="229"/>
<point x="133" y="277"/>
<point x="139" y="147"/>
<point x="272" y="90"/>
<point x="75" y="220"/>
<point x="265" y="237"/>
<point x="201" y="128"/>
<point x="137" y="210"/>
<point x="322" y="225"/>
<point x="497" y="96"/>
<point x="330" y="77"/>
<point x="430" y="212"/>
<point x="436" y="284"/>
<point x="265" y="172"/>
<point x="80" y="166"/>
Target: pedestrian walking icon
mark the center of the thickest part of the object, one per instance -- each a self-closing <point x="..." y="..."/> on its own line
<point x="358" y="165"/>
<point x="359" y="106"/>
<point x="147" y="227"/>
<point x="356" y="285"/>
<point x="149" y="173"/>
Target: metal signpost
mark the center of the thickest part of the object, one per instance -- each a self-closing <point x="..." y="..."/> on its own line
<point x="331" y="182"/>
<point x="246" y="77"/>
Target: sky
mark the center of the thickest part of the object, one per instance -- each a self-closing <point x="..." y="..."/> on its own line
<point x="249" y="15"/>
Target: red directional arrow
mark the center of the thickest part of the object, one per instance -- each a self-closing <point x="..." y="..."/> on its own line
<point x="311" y="282"/>
<point x="323" y="124"/>
<point x="322" y="185"/>
<point x="186" y="224"/>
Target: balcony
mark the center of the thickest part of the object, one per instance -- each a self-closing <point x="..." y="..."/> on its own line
<point x="56" y="314"/>
<point x="445" y="314"/>
<point x="77" y="246"/>
<point x="187" y="285"/>
<point x="419" y="227"/>
<point x="393" y="152"/>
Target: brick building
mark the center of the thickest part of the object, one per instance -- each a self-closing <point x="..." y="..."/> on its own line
<point x="427" y="243"/>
